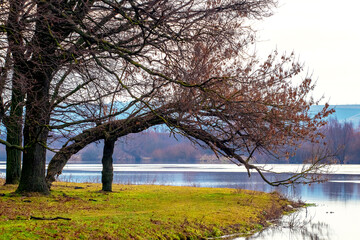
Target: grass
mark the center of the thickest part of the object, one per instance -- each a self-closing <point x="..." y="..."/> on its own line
<point x="136" y="212"/>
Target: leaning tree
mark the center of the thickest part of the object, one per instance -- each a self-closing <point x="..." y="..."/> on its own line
<point x="183" y="63"/>
<point x="253" y="107"/>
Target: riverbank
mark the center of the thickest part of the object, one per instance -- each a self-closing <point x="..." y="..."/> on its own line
<point x="81" y="211"/>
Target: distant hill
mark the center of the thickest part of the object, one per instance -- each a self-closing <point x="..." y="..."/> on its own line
<point x="348" y="113"/>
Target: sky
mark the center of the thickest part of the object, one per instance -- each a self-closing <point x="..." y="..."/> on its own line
<point x="325" y="36"/>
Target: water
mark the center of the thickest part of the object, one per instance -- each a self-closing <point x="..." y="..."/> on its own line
<point x="334" y="216"/>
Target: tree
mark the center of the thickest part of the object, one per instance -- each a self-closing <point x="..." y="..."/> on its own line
<point x="181" y="63"/>
<point x="262" y="114"/>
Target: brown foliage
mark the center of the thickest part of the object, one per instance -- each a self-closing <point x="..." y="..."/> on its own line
<point x="90" y="70"/>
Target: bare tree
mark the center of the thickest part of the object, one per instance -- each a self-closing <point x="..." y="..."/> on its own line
<point x="183" y="63"/>
<point x="251" y="110"/>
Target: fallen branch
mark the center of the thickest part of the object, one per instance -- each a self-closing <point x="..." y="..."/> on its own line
<point x="55" y="218"/>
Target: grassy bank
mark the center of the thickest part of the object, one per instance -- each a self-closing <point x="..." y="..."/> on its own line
<point x="81" y="211"/>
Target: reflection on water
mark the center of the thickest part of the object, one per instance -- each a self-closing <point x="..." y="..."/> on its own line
<point x="328" y="220"/>
<point x="299" y="225"/>
<point x="334" y="217"/>
<point x="295" y="225"/>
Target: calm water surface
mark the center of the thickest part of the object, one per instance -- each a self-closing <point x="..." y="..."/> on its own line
<point x="335" y="215"/>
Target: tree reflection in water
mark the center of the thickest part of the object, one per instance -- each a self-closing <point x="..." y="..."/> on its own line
<point x="298" y="225"/>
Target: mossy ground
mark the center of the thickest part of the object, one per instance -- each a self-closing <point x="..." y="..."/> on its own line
<point x="135" y="212"/>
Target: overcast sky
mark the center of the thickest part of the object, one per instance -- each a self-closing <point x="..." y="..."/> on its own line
<point x="325" y="35"/>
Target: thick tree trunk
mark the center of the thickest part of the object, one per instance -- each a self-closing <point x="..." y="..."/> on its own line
<point x="14" y="126"/>
<point x="34" y="159"/>
<point x="33" y="171"/>
<point x="35" y="137"/>
<point x="13" y="156"/>
<point x="14" y="122"/>
<point x="107" y="162"/>
<point x="13" y="165"/>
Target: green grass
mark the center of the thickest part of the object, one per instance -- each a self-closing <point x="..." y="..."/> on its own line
<point x="136" y="212"/>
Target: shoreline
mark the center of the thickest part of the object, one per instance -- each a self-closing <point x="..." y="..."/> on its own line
<point x="80" y="210"/>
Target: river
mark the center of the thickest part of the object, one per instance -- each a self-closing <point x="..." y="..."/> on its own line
<point x="334" y="216"/>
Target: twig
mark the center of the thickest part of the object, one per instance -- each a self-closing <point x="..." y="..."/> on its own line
<point x="43" y="218"/>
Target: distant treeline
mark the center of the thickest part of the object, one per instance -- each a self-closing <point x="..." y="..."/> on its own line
<point x="341" y="138"/>
<point x="154" y="146"/>
<point x="149" y="147"/>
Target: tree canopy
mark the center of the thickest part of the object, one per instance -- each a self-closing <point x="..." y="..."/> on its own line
<point x="101" y="69"/>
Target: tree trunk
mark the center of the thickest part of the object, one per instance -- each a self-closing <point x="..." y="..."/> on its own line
<point x="34" y="159"/>
<point x="13" y="165"/>
<point x="107" y="162"/>
<point x="33" y="171"/>
<point x="14" y="122"/>
<point x="13" y="156"/>
<point x="14" y="126"/>
<point x="35" y="137"/>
